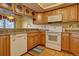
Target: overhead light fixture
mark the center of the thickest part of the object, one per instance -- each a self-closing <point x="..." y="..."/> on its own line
<point x="10" y="17"/>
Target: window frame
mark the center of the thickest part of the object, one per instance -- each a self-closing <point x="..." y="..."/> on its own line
<point x="4" y="24"/>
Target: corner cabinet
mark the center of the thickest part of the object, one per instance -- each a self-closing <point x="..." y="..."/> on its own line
<point x="40" y="18"/>
<point x="34" y="39"/>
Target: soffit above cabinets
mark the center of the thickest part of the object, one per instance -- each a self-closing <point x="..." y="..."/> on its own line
<point x="43" y="7"/>
<point x="49" y="5"/>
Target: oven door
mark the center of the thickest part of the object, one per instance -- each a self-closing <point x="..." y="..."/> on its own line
<point x="54" y="38"/>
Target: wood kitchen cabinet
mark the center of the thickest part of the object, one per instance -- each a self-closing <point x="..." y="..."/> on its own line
<point x="27" y="11"/>
<point x="19" y="9"/>
<point x="57" y="11"/>
<point x="30" y="43"/>
<point x="32" y="39"/>
<point x="13" y="45"/>
<point x="42" y="38"/>
<point x="69" y="13"/>
<point x="40" y="18"/>
<point x="65" y="41"/>
<point x="4" y="45"/>
<point x="74" y="44"/>
<point x="35" y="38"/>
<point x="78" y="11"/>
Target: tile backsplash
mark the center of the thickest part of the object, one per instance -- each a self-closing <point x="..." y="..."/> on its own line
<point x="70" y="25"/>
<point x="27" y="22"/>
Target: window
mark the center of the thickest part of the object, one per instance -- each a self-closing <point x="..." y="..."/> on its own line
<point x="9" y="24"/>
<point x="5" y="23"/>
<point x="1" y="23"/>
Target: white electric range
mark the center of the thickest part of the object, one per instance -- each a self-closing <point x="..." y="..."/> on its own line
<point x="53" y="38"/>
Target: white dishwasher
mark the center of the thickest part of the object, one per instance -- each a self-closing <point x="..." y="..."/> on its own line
<point x="18" y="44"/>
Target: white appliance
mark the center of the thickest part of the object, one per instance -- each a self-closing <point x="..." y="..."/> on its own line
<point x="53" y="38"/>
<point x="18" y="44"/>
<point x="55" y="18"/>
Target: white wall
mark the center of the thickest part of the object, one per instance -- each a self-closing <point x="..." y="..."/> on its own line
<point x="27" y="22"/>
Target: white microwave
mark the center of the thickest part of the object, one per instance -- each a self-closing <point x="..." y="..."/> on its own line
<point x="55" y="18"/>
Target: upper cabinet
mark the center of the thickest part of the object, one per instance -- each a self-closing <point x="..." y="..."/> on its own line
<point x="19" y="8"/>
<point x="27" y="11"/>
<point x="69" y="13"/>
<point x="78" y="12"/>
<point x="57" y="11"/>
<point x="22" y="10"/>
<point x="40" y="18"/>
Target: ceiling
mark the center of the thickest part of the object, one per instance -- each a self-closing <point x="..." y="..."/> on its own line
<point x="43" y="7"/>
<point x="48" y="5"/>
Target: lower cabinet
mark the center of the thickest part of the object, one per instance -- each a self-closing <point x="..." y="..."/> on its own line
<point x="42" y="38"/>
<point x="4" y="45"/>
<point x="18" y="44"/>
<point x="70" y="42"/>
<point x="35" y="38"/>
<point x="65" y="41"/>
<point x="30" y="42"/>
<point x="32" y="39"/>
<point x="74" y="44"/>
<point x="13" y="45"/>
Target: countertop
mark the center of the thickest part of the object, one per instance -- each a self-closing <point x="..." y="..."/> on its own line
<point x="17" y="31"/>
<point x="71" y="30"/>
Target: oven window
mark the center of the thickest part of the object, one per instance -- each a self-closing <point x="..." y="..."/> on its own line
<point x="52" y="38"/>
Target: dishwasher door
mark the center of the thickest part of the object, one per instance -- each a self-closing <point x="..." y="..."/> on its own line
<point x="18" y="44"/>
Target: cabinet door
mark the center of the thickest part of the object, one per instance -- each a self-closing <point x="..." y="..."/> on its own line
<point x="65" y="41"/>
<point x="19" y="9"/>
<point x="74" y="45"/>
<point x="69" y="13"/>
<point x="30" y="42"/>
<point x="4" y="45"/>
<point x="45" y="18"/>
<point x="41" y="18"/>
<point x="42" y="38"/>
<point x="66" y="14"/>
<point x="78" y="12"/>
<point x="57" y="11"/>
<point x="36" y="42"/>
<point x="38" y="17"/>
<point x="73" y="13"/>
